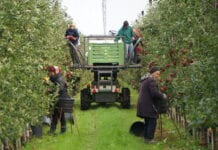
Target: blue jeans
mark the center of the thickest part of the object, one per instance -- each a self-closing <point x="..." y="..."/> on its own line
<point x="150" y="127"/>
<point x="129" y="54"/>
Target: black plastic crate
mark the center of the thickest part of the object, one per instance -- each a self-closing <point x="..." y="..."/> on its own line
<point x="66" y="104"/>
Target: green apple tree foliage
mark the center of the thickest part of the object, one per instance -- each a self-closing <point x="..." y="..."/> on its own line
<point x="31" y="37"/>
<point x="181" y="38"/>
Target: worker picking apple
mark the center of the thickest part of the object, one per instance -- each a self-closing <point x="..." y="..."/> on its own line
<point x="56" y="77"/>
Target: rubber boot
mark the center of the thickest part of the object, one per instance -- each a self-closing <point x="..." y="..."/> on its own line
<point x="52" y="129"/>
<point x="63" y="129"/>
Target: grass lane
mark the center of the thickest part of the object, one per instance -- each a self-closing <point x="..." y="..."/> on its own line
<point x="107" y="128"/>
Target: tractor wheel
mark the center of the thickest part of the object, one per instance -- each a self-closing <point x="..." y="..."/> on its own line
<point x="85" y="99"/>
<point x="125" y="98"/>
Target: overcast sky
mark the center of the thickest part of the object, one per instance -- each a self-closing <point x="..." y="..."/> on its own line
<point x="88" y="16"/>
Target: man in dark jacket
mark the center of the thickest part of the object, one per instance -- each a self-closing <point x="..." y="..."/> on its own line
<point x="72" y="35"/>
<point x="55" y="75"/>
<point x="149" y="96"/>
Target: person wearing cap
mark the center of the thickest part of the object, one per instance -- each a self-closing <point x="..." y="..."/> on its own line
<point x="56" y="77"/>
<point x="149" y="95"/>
<point x="126" y="33"/>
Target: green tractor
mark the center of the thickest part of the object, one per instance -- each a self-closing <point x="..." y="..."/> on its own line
<point x="105" y="58"/>
<point x="105" y="89"/>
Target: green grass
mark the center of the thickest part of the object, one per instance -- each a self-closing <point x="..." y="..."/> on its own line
<point x="107" y="128"/>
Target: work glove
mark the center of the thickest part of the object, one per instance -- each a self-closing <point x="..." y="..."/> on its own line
<point x="164" y="96"/>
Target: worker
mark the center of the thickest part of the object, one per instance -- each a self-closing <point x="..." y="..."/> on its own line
<point x="136" y="44"/>
<point x="72" y="34"/>
<point x="73" y="39"/>
<point x="56" y="77"/>
<point x="126" y="33"/>
<point x="148" y="103"/>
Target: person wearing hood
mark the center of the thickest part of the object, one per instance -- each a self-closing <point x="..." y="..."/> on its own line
<point x="147" y="108"/>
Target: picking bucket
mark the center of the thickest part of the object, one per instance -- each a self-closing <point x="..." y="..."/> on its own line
<point x="66" y="104"/>
<point x="137" y="129"/>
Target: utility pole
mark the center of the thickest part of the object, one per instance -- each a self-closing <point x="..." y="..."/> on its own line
<point x="104" y="15"/>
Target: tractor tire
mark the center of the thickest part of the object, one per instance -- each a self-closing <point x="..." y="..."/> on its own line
<point x="85" y="99"/>
<point x="125" y="98"/>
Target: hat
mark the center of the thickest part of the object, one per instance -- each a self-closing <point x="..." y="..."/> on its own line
<point x="54" y="69"/>
<point x="125" y="24"/>
<point x="153" y="69"/>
